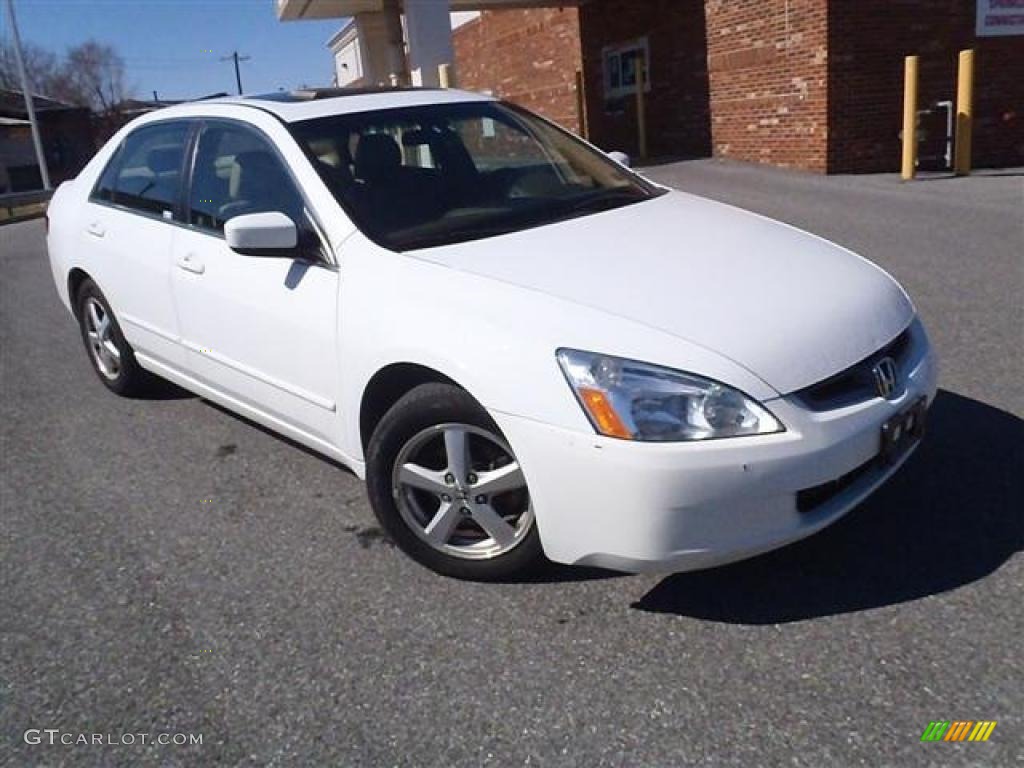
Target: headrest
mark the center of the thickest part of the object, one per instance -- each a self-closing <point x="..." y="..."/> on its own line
<point x="258" y="162"/>
<point x="164" y="159"/>
<point x="255" y="172"/>
<point x="416" y="137"/>
<point x="377" y="157"/>
<point x="326" y="151"/>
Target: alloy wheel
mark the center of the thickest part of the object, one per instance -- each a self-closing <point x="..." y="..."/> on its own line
<point x="99" y="332"/>
<point x="460" y="489"/>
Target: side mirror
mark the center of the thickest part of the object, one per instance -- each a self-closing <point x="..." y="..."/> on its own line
<point x="262" y="234"/>
<point x="621" y="158"/>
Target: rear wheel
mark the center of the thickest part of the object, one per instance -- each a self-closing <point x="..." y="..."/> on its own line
<point x="447" y="487"/>
<point x="111" y="357"/>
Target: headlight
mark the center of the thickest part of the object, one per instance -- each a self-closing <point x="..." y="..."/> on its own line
<point x="638" y="401"/>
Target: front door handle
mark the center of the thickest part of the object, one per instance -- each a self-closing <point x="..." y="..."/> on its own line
<point x="96" y="229"/>
<point x="191" y="263"/>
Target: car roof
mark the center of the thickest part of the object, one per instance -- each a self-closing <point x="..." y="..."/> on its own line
<point x="310" y="103"/>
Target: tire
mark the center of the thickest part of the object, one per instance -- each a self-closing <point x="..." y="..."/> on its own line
<point x="111" y="356"/>
<point x="479" y="526"/>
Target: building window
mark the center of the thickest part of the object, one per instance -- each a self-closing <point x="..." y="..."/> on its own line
<point x="620" y="68"/>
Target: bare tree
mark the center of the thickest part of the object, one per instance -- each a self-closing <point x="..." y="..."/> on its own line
<point x="43" y="68"/>
<point x="92" y="75"/>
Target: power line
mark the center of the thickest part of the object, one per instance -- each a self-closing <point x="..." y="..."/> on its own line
<point x="238" y="75"/>
<point x="161" y="60"/>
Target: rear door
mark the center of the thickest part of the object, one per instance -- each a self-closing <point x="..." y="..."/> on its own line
<point x="128" y="231"/>
<point x="259" y="329"/>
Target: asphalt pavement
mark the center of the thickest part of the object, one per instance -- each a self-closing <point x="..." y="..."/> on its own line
<point x="166" y="567"/>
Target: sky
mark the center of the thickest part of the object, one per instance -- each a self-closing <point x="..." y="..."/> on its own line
<point x="174" y="46"/>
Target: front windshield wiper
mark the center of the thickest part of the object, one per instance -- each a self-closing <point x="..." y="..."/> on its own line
<point x="545" y="212"/>
<point x="450" y="237"/>
<point x="605" y="199"/>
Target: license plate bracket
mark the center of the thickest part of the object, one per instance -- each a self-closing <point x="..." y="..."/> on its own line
<point x="903" y="430"/>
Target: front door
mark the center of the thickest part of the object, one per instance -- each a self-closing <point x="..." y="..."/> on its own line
<point x="261" y="330"/>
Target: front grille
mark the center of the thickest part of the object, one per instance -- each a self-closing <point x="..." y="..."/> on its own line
<point x="810" y="499"/>
<point x="857" y="383"/>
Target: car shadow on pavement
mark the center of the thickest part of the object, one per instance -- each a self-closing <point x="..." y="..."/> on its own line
<point x="952" y="515"/>
<point x="279" y="437"/>
<point x="555" y="573"/>
<point x="162" y="389"/>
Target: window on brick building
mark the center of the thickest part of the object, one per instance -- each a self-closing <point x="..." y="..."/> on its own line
<point x="620" y="68"/>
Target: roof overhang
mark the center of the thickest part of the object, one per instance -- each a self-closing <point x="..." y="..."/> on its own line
<point x="292" y="10"/>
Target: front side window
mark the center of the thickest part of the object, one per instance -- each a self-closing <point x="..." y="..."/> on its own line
<point x="236" y="172"/>
<point x="145" y="173"/>
<point x="419" y="177"/>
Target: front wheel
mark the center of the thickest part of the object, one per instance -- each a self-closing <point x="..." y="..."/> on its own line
<point x="444" y="483"/>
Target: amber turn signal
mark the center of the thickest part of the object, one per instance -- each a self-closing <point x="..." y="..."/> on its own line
<point x="603" y="414"/>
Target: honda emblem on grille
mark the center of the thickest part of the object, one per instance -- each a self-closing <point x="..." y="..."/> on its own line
<point x="885" y="375"/>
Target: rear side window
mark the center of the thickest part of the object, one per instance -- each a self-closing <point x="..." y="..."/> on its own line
<point x="237" y="171"/>
<point x="145" y="173"/>
<point x="106" y="186"/>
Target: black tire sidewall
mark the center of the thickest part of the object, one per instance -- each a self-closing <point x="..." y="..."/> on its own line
<point x="423" y="407"/>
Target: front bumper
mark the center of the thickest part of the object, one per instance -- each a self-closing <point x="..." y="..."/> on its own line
<point x="684" y="506"/>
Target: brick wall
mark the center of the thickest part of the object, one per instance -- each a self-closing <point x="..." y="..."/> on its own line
<point x="529" y="57"/>
<point x="768" y="65"/>
<point x="678" y="121"/>
<point x="868" y="42"/>
<point x="812" y="84"/>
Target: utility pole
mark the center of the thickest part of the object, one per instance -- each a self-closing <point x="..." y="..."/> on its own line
<point x="27" y="91"/>
<point x="238" y="75"/>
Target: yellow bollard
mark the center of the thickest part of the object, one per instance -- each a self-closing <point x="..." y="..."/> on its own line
<point x="964" y="113"/>
<point x="641" y="107"/>
<point x="909" y="166"/>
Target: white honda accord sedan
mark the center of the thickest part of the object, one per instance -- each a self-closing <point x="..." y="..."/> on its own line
<point x="525" y="348"/>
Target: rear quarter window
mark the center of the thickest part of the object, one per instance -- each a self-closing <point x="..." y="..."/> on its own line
<point x="104" y="189"/>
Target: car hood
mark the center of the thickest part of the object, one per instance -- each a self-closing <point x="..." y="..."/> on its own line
<point x="790" y="307"/>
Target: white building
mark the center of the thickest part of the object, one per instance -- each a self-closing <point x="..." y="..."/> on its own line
<point x="363" y="54"/>
<point x="392" y="41"/>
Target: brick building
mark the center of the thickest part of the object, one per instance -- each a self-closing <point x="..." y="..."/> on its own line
<point x="812" y="84"/>
<point x="530" y="57"/>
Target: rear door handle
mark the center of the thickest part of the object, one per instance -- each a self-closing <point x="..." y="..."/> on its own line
<point x="191" y="263"/>
<point x="96" y="229"/>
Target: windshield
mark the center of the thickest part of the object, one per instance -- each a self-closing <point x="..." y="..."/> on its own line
<point x="445" y="173"/>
